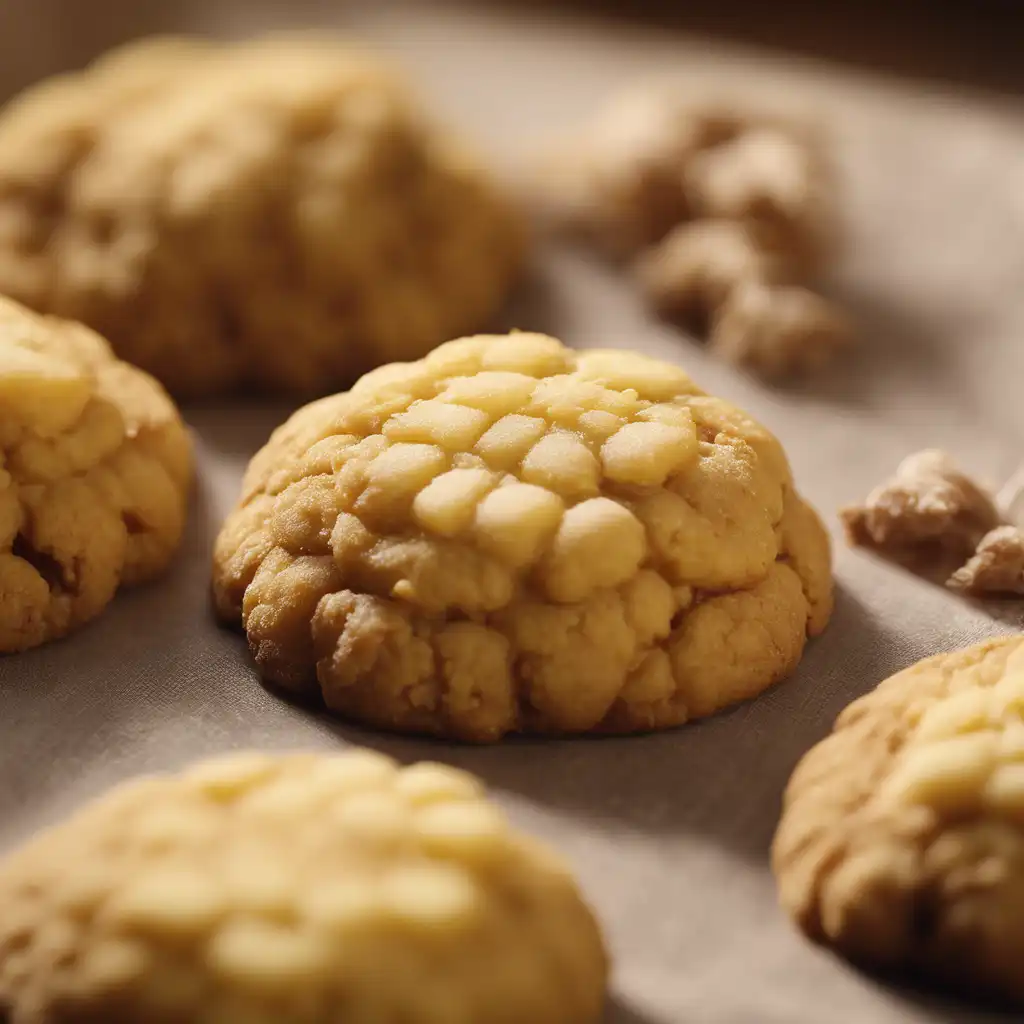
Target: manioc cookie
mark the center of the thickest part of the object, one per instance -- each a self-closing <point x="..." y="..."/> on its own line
<point x="902" y="837"/>
<point x="511" y="536"/>
<point x="295" y="889"/>
<point x="95" y="469"/>
<point x="274" y="215"/>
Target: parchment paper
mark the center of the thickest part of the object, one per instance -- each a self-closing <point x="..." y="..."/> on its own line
<point x="669" y="833"/>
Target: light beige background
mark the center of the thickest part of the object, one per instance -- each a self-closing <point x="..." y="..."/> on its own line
<point x="669" y="833"/>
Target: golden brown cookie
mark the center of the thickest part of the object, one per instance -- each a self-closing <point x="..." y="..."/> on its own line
<point x="902" y="837"/>
<point x="297" y="889"/>
<point x="95" y="468"/>
<point x="274" y="215"/>
<point x="511" y="536"/>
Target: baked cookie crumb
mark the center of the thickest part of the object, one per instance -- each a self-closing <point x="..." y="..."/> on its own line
<point x="774" y="178"/>
<point x="996" y="569"/>
<point x="779" y="332"/>
<point x="694" y="271"/>
<point x="619" y="183"/>
<point x="714" y="204"/>
<point x="295" y="889"/>
<point x="929" y="512"/>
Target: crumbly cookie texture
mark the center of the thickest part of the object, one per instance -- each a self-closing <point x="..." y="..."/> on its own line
<point x="275" y="214"/>
<point x="295" y="889"/>
<point x="95" y="468"/>
<point x="900" y="842"/>
<point x="511" y="536"/>
<point x="718" y="207"/>
<point x="929" y="510"/>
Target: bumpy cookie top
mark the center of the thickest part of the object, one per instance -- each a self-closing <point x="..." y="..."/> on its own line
<point x="296" y="889"/>
<point x="901" y="839"/>
<point x="510" y="535"/>
<point x="273" y="214"/>
<point x="95" y="467"/>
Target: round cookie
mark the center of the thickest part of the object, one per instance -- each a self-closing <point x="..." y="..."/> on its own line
<point x="296" y="889"/>
<point x="272" y="215"/>
<point x="95" y="470"/>
<point x="511" y="536"/>
<point x="901" y="842"/>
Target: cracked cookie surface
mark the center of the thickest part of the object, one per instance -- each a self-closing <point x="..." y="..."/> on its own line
<point x="511" y="536"/>
<point x="901" y="839"/>
<point x="295" y="889"/>
<point x="274" y="215"/>
<point x="95" y="468"/>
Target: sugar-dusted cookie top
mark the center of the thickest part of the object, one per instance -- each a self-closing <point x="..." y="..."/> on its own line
<point x="95" y="467"/>
<point x="512" y="536"/>
<point x="274" y="214"/>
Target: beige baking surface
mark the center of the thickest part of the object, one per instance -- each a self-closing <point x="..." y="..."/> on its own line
<point x="669" y="833"/>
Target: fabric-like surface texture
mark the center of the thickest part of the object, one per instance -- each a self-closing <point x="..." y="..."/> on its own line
<point x="669" y="833"/>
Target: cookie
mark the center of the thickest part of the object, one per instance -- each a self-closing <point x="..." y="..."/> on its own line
<point x="929" y="514"/>
<point x="274" y="215"/>
<point x="901" y="841"/>
<point x="95" y="467"/>
<point x="509" y="536"/>
<point x="295" y="889"/>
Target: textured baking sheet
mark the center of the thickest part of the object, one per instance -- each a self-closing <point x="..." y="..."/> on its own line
<point x="669" y="833"/>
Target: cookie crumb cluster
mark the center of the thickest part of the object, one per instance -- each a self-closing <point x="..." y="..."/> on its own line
<point x="298" y="889"/>
<point x="937" y="520"/>
<point x="727" y="215"/>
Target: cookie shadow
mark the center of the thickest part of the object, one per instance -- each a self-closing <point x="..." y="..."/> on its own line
<point x="618" y="1012"/>
<point x="79" y="701"/>
<point x="936" y="569"/>
<point x="919" y="995"/>
<point x="1008" y="611"/>
<point x="722" y="778"/>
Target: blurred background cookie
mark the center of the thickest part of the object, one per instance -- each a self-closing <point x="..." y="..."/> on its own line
<point x="900" y="842"/>
<point x="299" y="889"/>
<point x="95" y="468"/>
<point x="511" y="536"/>
<point x="272" y="215"/>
